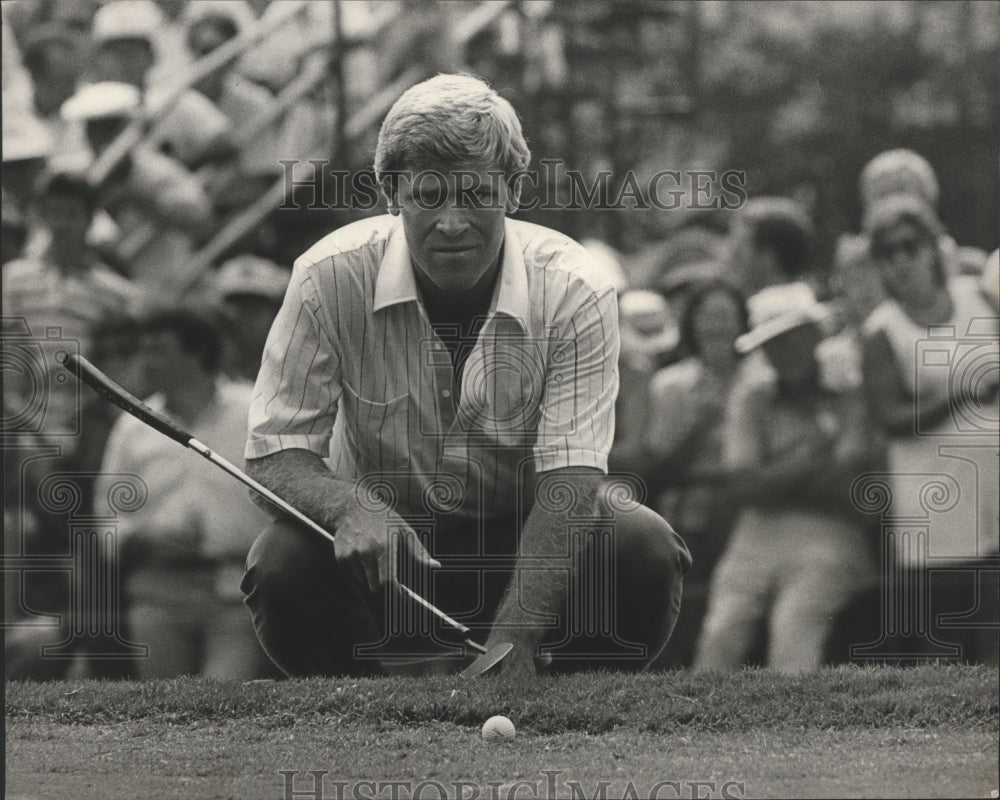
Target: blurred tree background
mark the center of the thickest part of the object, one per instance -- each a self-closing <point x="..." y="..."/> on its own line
<point x="836" y="83"/>
<point x="797" y="94"/>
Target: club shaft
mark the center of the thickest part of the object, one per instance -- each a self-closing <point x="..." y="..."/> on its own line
<point x="114" y="393"/>
<point x="476" y="646"/>
<point x="204" y="450"/>
<point x="291" y="510"/>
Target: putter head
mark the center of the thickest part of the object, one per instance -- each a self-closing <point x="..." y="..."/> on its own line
<point x="488" y="660"/>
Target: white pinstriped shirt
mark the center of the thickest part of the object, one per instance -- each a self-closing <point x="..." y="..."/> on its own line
<point x="353" y="371"/>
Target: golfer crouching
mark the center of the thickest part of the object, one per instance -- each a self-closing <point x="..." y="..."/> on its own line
<point x="438" y="391"/>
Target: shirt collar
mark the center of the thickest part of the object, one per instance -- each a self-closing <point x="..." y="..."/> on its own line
<point x="395" y="282"/>
<point x="512" y="296"/>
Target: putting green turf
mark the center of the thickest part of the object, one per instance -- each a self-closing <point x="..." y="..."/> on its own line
<point x="844" y="732"/>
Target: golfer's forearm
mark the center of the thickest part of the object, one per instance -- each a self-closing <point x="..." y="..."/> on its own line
<point x="301" y="478"/>
<point x="535" y="592"/>
<point x="546" y="538"/>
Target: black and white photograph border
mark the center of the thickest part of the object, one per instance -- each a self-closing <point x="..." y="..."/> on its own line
<point x="494" y="399"/>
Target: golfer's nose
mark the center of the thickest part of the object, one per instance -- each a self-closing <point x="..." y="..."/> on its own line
<point x="452" y="222"/>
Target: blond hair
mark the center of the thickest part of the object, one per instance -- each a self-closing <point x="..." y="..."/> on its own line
<point x="451" y="121"/>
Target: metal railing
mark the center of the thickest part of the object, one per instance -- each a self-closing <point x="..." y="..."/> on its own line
<point x="465" y="28"/>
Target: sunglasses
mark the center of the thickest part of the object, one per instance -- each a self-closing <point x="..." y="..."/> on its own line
<point x="909" y="247"/>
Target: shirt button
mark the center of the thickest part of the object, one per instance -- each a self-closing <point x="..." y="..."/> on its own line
<point x="446" y="393"/>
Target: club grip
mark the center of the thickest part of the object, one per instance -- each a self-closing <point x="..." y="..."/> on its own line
<point x="126" y="401"/>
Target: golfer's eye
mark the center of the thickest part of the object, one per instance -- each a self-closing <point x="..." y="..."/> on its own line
<point x="428" y="198"/>
<point x="485" y="198"/>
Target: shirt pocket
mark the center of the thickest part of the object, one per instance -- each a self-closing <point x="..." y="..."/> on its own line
<point x="503" y="400"/>
<point x="377" y="431"/>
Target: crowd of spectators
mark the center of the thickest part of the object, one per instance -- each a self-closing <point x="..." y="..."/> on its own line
<point x="102" y="254"/>
<point x="757" y="385"/>
<point x="788" y="393"/>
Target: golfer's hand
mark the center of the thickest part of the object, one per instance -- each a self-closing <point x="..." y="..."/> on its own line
<point x="368" y="546"/>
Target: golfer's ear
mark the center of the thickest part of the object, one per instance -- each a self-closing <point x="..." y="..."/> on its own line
<point x="514" y="186"/>
<point x="389" y="184"/>
<point x="391" y="201"/>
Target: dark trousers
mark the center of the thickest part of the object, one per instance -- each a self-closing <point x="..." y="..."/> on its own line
<point x="619" y="611"/>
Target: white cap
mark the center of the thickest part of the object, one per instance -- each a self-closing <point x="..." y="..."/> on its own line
<point x="25" y="137"/>
<point x="643" y="308"/>
<point x="647" y="323"/>
<point x="104" y="99"/>
<point x="253" y="275"/>
<point x="126" y="19"/>
<point x="779" y="309"/>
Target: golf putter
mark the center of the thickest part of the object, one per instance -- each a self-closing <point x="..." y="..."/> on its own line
<point x="487" y="659"/>
<point x="115" y="394"/>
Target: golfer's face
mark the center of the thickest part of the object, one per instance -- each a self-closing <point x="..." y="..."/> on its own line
<point x="454" y="224"/>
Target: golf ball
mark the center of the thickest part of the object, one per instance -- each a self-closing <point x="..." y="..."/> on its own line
<point x="498" y="727"/>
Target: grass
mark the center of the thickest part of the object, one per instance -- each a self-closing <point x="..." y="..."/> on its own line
<point x="841" y="732"/>
<point x="841" y="698"/>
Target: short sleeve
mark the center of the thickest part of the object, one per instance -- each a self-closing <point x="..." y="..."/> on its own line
<point x="294" y="402"/>
<point x="577" y="420"/>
